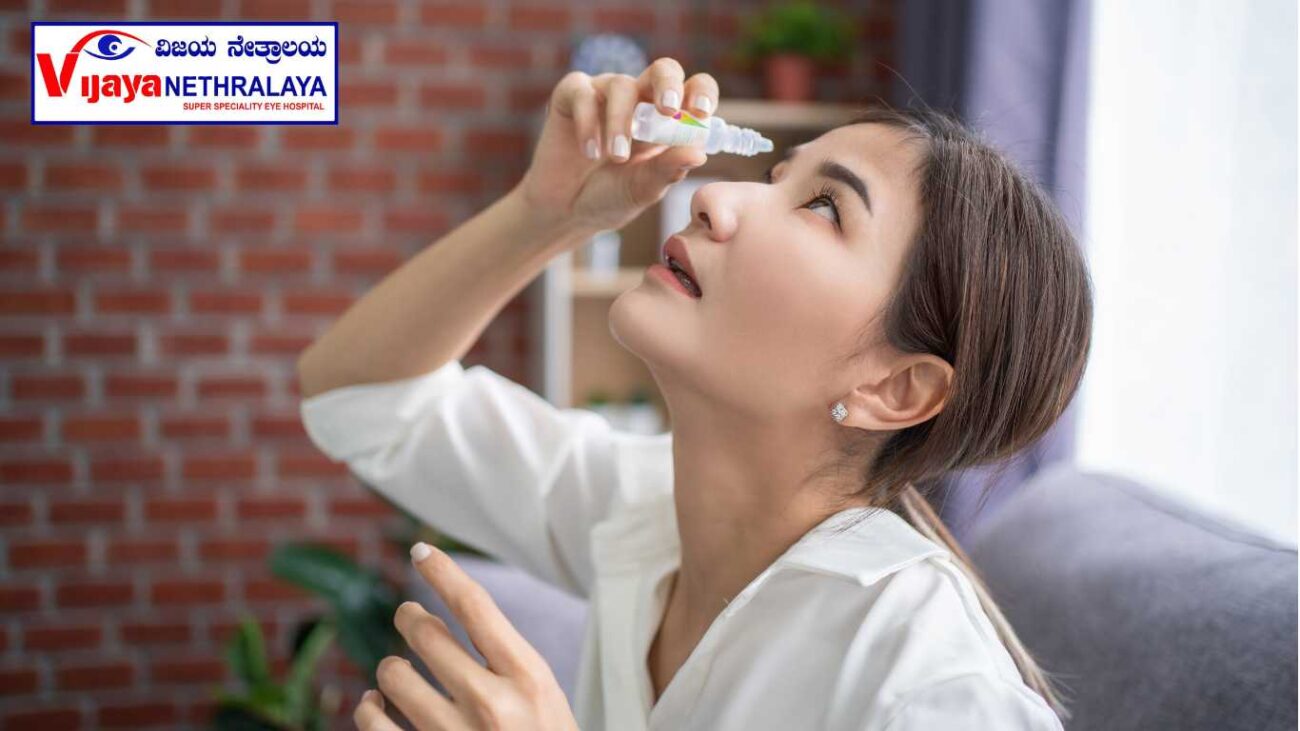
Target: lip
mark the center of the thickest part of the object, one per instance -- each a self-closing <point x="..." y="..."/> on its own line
<point x="675" y="246"/>
<point x="659" y="271"/>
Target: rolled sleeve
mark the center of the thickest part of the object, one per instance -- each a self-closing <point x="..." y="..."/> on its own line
<point x="482" y="459"/>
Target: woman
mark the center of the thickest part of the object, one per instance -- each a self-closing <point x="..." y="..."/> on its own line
<point x="891" y="302"/>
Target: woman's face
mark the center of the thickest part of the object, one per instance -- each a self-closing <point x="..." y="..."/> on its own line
<point x="789" y="279"/>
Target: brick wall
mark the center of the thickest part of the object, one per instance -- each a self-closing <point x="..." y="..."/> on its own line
<point x="158" y="283"/>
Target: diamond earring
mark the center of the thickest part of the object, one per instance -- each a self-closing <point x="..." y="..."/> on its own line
<point x="839" y="412"/>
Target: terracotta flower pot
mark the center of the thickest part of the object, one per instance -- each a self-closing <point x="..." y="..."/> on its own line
<point x="789" y="77"/>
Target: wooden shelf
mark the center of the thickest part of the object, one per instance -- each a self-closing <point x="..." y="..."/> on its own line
<point x="769" y="115"/>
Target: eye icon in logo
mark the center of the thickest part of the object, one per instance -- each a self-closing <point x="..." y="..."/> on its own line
<point x="107" y="44"/>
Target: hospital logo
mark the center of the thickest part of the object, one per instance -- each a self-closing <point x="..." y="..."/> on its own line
<point x="184" y="73"/>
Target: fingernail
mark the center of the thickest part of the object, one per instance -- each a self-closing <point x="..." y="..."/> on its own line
<point x="374" y="696"/>
<point x="593" y="151"/>
<point x="622" y="148"/>
<point x="421" y="551"/>
<point x="670" y="99"/>
<point x="704" y="104"/>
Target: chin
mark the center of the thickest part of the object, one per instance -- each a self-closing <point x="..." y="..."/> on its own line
<point x="645" y="325"/>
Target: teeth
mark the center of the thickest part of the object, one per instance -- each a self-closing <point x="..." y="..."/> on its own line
<point x="684" y="278"/>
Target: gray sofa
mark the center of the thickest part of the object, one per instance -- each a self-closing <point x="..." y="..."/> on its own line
<point x="1149" y="614"/>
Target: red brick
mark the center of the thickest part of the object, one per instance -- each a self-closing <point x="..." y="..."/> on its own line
<point x="234" y="549"/>
<point x="18" y="345"/>
<point x="368" y="94"/>
<point x="102" y="511"/>
<point x="133" y="385"/>
<point x="94" y="676"/>
<point x="130" y="136"/>
<point x="20" y="429"/>
<point x="183" y="344"/>
<point x="219" y="387"/>
<point x="187" y="592"/>
<point x="98" y="345"/>
<point x="179" y="177"/>
<point x="271" y="507"/>
<point x="367" y="261"/>
<point x="310" y="465"/>
<point x="418" y="219"/>
<point x="240" y="219"/>
<point x="499" y="143"/>
<point x="317" y="138"/>
<point x="14" y="598"/>
<point x="87" y="593"/>
<point x="275" y="10"/>
<point x="359" y="12"/>
<point x="138" y="715"/>
<point x="466" y="15"/>
<point x="377" y="179"/>
<point x="366" y="507"/>
<point x="133" y="551"/>
<point x="15" y="681"/>
<point x="155" y="633"/>
<point x="110" y="8"/>
<point x="53" y="301"/>
<point x="152" y="219"/>
<point x="188" y="510"/>
<point x="60" y="219"/>
<point x="140" y="302"/>
<point x="537" y="17"/>
<point x="423" y="54"/>
<point x="184" y="260"/>
<point x="100" y="428"/>
<point x="271" y="590"/>
<point x="48" y="636"/>
<point x="408" y="139"/>
<point x="449" y="95"/>
<point x="327" y="219"/>
<point x="290" y="343"/>
<point x="186" y="10"/>
<point x="122" y="467"/>
<point x="51" y="719"/>
<point x="214" y="302"/>
<point x="13" y="176"/>
<point x="83" y="176"/>
<point x="47" y="388"/>
<point x="47" y="554"/>
<point x="23" y="133"/>
<point x="193" y="427"/>
<point x="276" y="261"/>
<point x="220" y="467"/>
<point x="19" y="513"/>
<point x="624" y="19"/>
<point x="19" y="261"/>
<point x="243" y="138"/>
<point x="51" y="470"/>
<point x="93" y="259"/>
<point x="499" y="56"/>
<point x="271" y="177"/>
<point x="316" y="302"/>
<point x="468" y="183"/>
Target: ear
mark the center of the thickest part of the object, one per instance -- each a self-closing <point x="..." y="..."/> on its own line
<point x="914" y="390"/>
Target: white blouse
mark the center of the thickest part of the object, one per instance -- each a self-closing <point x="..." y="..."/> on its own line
<point x="872" y="629"/>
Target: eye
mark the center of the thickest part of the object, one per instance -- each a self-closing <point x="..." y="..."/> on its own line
<point x="824" y="194"/>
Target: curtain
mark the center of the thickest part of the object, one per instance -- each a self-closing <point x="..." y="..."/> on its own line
<point x="1016" y="70"/>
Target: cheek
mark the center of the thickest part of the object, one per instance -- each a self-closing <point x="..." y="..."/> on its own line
<point x="790" y="312"/>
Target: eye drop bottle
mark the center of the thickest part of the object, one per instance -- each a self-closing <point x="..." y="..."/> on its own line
<point x="712" y="136"/>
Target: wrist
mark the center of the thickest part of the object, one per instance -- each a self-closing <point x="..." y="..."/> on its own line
<point x="551" y="228"/>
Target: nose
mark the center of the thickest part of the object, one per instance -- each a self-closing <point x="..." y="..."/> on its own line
<point x="715" y="207"/>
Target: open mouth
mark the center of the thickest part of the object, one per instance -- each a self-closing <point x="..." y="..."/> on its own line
<point x="685" y="278"/>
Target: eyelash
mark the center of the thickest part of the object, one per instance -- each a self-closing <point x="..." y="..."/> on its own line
<point x="825" y="192"/>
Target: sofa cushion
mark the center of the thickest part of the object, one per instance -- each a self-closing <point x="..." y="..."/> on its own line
<point x="1149" y="613"/>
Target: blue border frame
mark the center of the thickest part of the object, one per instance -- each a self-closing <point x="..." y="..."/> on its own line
<point x="31" y="91"/>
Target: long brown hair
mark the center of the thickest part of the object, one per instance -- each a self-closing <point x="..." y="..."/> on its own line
<point x="996" y="285"/>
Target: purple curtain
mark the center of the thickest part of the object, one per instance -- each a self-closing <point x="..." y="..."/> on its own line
<point x="1017" y="70"/>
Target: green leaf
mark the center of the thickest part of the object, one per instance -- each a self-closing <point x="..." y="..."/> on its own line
<point x="298" y="686"/>
<point x="246" y="651"/>
<point x="797" y="26"/>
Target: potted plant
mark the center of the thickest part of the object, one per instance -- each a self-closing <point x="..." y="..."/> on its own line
<point x="789" y="39"/>
<point x="362" y="605"/>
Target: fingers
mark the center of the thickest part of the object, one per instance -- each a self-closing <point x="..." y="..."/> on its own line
<point x="369" y="714"/>
<point x="497" y="640"/>
<point x="423" y="706"/>
<point x="575" y="98"/>
<point x="701" y="95"/>
<point x="662" y="81"/>
<point x="621" y="96"/>
<point x="439" y="649"/>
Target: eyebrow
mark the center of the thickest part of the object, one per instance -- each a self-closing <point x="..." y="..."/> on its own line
<point x="834" y="171"/>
